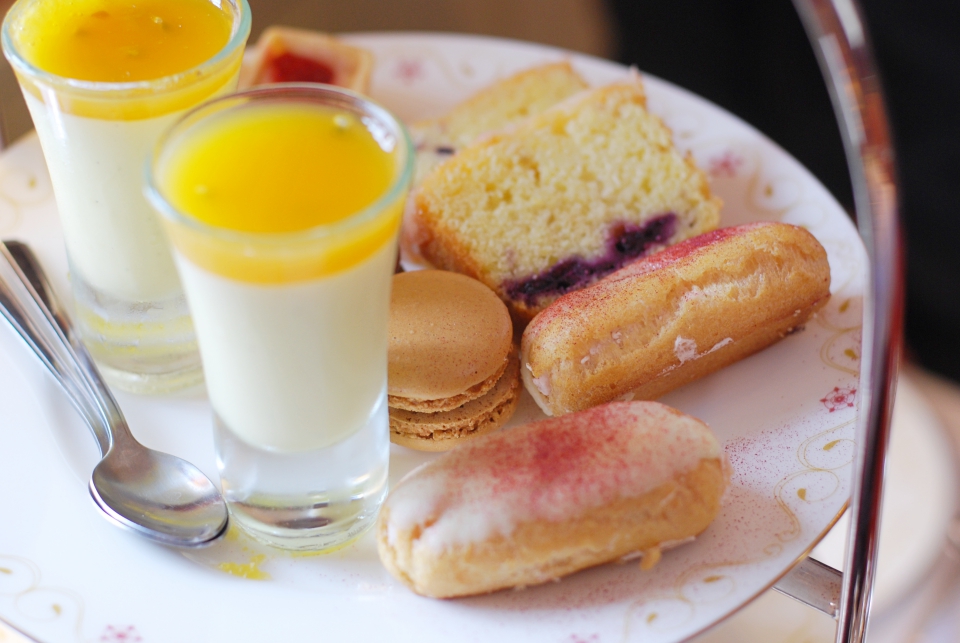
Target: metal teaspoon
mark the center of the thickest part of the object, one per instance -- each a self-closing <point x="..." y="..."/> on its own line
<point x="154" y="494"/>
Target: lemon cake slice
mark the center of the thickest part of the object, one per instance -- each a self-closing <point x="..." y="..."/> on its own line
<point x="561" y="199"/>
<point x="493" y="108"/>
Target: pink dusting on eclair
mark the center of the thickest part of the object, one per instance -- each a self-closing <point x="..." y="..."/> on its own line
<point x="554" y="470"/>
<point x="683" y="251"/>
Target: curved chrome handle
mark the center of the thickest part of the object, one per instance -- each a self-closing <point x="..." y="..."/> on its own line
<point x="837" y="32"/>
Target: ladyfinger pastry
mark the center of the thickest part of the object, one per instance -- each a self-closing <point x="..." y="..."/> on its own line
<point x="675" y="316"/>
<point x="546" y="499"/>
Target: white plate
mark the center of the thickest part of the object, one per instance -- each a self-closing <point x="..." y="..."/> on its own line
<point x="919" y="498"/>
<point x="785" y="418"/>
<point x="919" y="501"/>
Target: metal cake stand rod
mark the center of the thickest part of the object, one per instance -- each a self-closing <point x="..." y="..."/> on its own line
<point x="837" y="32"/>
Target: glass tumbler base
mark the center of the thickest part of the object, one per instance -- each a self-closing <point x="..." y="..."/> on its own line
<point x="146" y="347"/>
<point x="152" y="383"/>
<point x="306" y="501"/>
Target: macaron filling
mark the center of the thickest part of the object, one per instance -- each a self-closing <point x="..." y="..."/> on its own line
<point x="477" y="416"/>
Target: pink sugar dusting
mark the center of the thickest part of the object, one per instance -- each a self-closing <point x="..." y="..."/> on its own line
<point x="585" y="458"/>
<point x="553" y="469"/>
<point x="765" y="457"/>
<point x="684" y="251"/>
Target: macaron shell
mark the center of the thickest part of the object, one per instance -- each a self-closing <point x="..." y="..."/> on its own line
<point x="444" y="431"/>
<point x="448" y="333"/>
<point x="448" y="403"/>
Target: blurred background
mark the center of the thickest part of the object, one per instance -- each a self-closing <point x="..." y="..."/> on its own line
<point x="750" y="57"/>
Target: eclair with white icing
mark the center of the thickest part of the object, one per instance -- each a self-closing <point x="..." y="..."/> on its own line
<point x="534" y="503"/>
<point x="674" y="317"/>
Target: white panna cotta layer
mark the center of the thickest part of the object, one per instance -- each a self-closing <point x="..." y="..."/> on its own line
<point x="113" y="236"/>
<point x="294" y="367"/>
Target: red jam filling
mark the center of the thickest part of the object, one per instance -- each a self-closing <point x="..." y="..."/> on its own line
<point x="290" y="68"/>
<point x="625" y="243"/>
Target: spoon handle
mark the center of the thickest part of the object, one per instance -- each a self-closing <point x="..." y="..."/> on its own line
<point x="23" y="307"/>
<point x="30" y="267"/>
<point x="47" y="298"/>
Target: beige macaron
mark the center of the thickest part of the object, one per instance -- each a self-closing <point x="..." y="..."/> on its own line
<point x="452" y="364"/>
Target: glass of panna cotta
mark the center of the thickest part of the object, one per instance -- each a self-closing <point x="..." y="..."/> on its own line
<point x="283" y="206"/>
<point x="102" y="80"/>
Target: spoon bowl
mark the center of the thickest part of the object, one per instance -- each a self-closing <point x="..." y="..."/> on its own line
<point x="157" y="495"/>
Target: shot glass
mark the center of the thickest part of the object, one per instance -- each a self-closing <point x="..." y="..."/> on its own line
<point x="283" y="206"/>
<point x="102" y="79"/>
